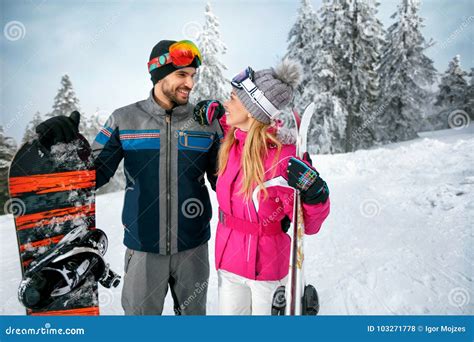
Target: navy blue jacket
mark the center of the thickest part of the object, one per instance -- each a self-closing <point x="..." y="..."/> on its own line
<point x="166" y="155"/>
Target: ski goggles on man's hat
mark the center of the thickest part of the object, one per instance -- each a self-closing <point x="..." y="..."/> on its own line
<point x="180" y="54"/>
<point x="244" y="80"/>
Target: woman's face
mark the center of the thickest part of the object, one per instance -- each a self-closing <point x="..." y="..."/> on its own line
<point x="237" y="114"/>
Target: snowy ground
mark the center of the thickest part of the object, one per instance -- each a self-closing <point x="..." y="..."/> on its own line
<point x="399" y="238"/>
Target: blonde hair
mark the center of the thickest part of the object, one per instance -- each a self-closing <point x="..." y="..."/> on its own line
<point x="254" y="153"/>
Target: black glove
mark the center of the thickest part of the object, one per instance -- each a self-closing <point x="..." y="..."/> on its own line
<point x="207" y="111"/>
<point x="305" y="178"/>
<point x="285" y="224"/>
<point x="59" y="129"/>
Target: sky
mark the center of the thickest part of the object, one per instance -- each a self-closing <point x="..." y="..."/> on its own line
<point x="104" y="45"/>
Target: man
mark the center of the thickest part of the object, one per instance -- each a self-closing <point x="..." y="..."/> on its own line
<point x="167" y="210"/>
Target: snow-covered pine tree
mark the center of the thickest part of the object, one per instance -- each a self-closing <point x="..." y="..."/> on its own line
<point x="302" y="47"/>
<point x="210" y="80"/>
<point x="429" y="111"/>
<point x="331" y="48"/>
<point x="469" y="101"/>
<point x="452" y="92"/>
<point x="330" y="78"/>
<point x="7" y="151"/>
<point x="405" y="72"/>
<point x="335" y="37"/>
<point x="91" y="127"/>
<point x="30" y="131"/>
<point x="362" y="60"/>
<point x="328" y="133"/>
<point x="65" y="101"/>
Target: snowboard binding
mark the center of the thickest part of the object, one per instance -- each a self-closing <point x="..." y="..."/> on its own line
<point x="78" y="257"/>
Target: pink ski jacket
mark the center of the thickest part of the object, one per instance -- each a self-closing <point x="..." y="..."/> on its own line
<point x="249" y="238"/>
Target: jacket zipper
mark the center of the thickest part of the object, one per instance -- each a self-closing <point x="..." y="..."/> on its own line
<point x="128" y="261"/>
<point x="248" y="249"/>
<point x="168" y="179"/>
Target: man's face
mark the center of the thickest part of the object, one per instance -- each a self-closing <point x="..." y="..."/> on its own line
<point x="177" y="85"/>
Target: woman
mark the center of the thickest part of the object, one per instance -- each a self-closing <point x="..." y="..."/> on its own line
<point x="257" y="173"/>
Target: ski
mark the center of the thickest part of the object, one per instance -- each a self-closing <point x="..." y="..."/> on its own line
<point x="297" y="298"/>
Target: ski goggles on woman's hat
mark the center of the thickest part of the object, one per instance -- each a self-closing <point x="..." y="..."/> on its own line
<point x="180" y="54"/>
<point x="244" y="80"/>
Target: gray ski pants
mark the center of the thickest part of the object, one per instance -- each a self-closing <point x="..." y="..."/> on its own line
<point x="148" y="275"/>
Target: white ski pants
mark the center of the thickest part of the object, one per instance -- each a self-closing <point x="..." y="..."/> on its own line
<point x="242" y="296"/>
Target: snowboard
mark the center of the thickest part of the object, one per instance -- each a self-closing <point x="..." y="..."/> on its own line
<point x="51" y="193"/>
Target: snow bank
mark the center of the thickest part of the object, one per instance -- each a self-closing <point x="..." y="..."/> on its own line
<point x="398" y="239"/>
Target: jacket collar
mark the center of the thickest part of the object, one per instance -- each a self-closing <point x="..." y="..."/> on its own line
<point x="154" y="108"/>
<point x="240" y="136"/>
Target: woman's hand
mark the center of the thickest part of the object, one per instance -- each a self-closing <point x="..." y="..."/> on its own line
<point x="304" y="177"/>
<point x="207" y="111"/>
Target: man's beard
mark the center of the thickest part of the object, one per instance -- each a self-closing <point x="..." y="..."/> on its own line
<point x="172" y="96"/>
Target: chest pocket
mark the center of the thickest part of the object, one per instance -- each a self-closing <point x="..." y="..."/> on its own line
<point x="195" y="141"/>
